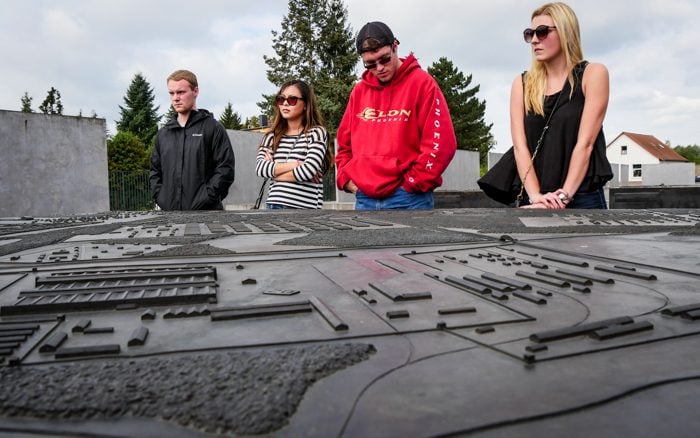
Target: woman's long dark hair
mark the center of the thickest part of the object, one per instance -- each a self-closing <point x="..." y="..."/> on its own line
<point x="310" y="118"/>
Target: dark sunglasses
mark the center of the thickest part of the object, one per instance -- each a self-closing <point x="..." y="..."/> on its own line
<point x="541" y="31"/>
<point x="384" y="60"/>
<point x="291" y="100"/>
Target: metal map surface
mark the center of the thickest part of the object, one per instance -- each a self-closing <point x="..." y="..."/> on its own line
<point x="452" y="322"/>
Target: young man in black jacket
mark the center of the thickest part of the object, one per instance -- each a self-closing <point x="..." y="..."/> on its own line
<point x="192" y="166"/>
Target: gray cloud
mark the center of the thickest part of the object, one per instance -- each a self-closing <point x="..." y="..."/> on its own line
<point x="91" y="50"/>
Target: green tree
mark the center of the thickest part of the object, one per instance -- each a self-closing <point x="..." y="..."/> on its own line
<point x="252" y="122"/>
<point x="230" y="119"/>
<point x="128" y="164"/>
<point x="315" y="45"/>
<point x="338" y="60"/>
<point x="27" y="103"/>
<point x="171" y="114"/>
<point x="467" y="111"/>
<point x="52" y="104"/>
<point x="139" y="115"/>
<point x="690" y="152"/>
<point x="126" y="152"/>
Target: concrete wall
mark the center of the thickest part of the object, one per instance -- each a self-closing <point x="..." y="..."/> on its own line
<point x="52" y="165"/>
<point x="246" y="186"/>
<point x="493" y="158"/>
<point x="57" y="165"/>
<point x="668" y="174"/>
<point x="663" y="174"/>
<point x="462" y="173"/>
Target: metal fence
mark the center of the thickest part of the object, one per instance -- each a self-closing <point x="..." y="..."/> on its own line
<point x="329" y="185"/>
<point x="130" y="191"/>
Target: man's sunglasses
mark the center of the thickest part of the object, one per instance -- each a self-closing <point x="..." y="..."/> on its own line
<point x="541" y="31"/>
<point x="384" y="60"/>
<point x="291" y="100"/>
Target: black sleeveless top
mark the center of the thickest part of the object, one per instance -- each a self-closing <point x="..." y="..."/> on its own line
<point x="552" y="161"/>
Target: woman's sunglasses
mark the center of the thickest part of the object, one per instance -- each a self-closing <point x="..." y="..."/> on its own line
<point x="541" y="31"/>
<point x="291" y="100"/>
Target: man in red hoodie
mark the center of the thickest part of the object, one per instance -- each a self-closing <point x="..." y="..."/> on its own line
<point x="396" y="137"/>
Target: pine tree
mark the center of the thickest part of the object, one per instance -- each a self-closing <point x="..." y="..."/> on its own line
<point x="27" y="103"/>
<point x="467" y="111"/>
<point x="52" y="104"/>
<point x="230" y="119"/>
<point x="315" y="45"/>
<point x="171" y="114"/>
<point x="336" y="76"/>
<point x="139" y="115"/>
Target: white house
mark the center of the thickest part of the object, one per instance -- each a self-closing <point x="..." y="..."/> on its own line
<point x="640" y="159"/>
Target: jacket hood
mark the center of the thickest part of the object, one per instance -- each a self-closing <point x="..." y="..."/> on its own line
<point x="409" y="63"/>
<point x="196" y="116"/>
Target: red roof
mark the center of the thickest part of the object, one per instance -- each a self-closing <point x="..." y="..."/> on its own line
<point x="654" y="146"/>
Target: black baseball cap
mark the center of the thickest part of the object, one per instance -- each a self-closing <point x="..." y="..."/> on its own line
<point x="376" y="30"/>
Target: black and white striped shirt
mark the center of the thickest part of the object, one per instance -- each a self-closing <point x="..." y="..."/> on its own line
<point x="310" y="149"/>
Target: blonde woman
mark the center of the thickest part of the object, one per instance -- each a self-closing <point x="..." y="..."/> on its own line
<point x="563" y="165"/>
<point x="294" y="155"/>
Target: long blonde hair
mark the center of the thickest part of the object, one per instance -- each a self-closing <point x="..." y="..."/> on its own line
<point x="567" y="26"/>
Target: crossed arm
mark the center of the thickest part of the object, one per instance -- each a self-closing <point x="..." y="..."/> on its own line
<point x="306" y="165"/>
<point x="282" y="171"/>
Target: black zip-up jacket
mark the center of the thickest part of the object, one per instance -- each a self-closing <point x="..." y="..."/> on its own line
<point x="192" y="167"/>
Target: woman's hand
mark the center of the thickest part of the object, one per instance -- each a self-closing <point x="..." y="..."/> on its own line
<point x="550" y="200"/>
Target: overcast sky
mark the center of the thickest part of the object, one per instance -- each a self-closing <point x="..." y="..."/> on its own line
<point x="90" y="51"/>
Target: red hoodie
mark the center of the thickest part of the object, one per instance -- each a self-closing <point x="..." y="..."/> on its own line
<point x="395" y="134"/>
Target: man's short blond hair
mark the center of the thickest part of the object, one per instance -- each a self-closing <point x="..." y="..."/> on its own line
<point x="187" y="75"/>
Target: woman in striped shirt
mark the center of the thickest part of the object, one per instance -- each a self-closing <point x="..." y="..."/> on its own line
<point x="295" y="153"/>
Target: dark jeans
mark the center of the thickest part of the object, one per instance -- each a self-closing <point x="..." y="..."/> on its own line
<point x="400" y="199"/>
<point x="277" y="207"/>
<point x="594" y="199"/>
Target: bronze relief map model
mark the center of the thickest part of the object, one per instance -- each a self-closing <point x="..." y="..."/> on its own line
<point x="450" y="322"/>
